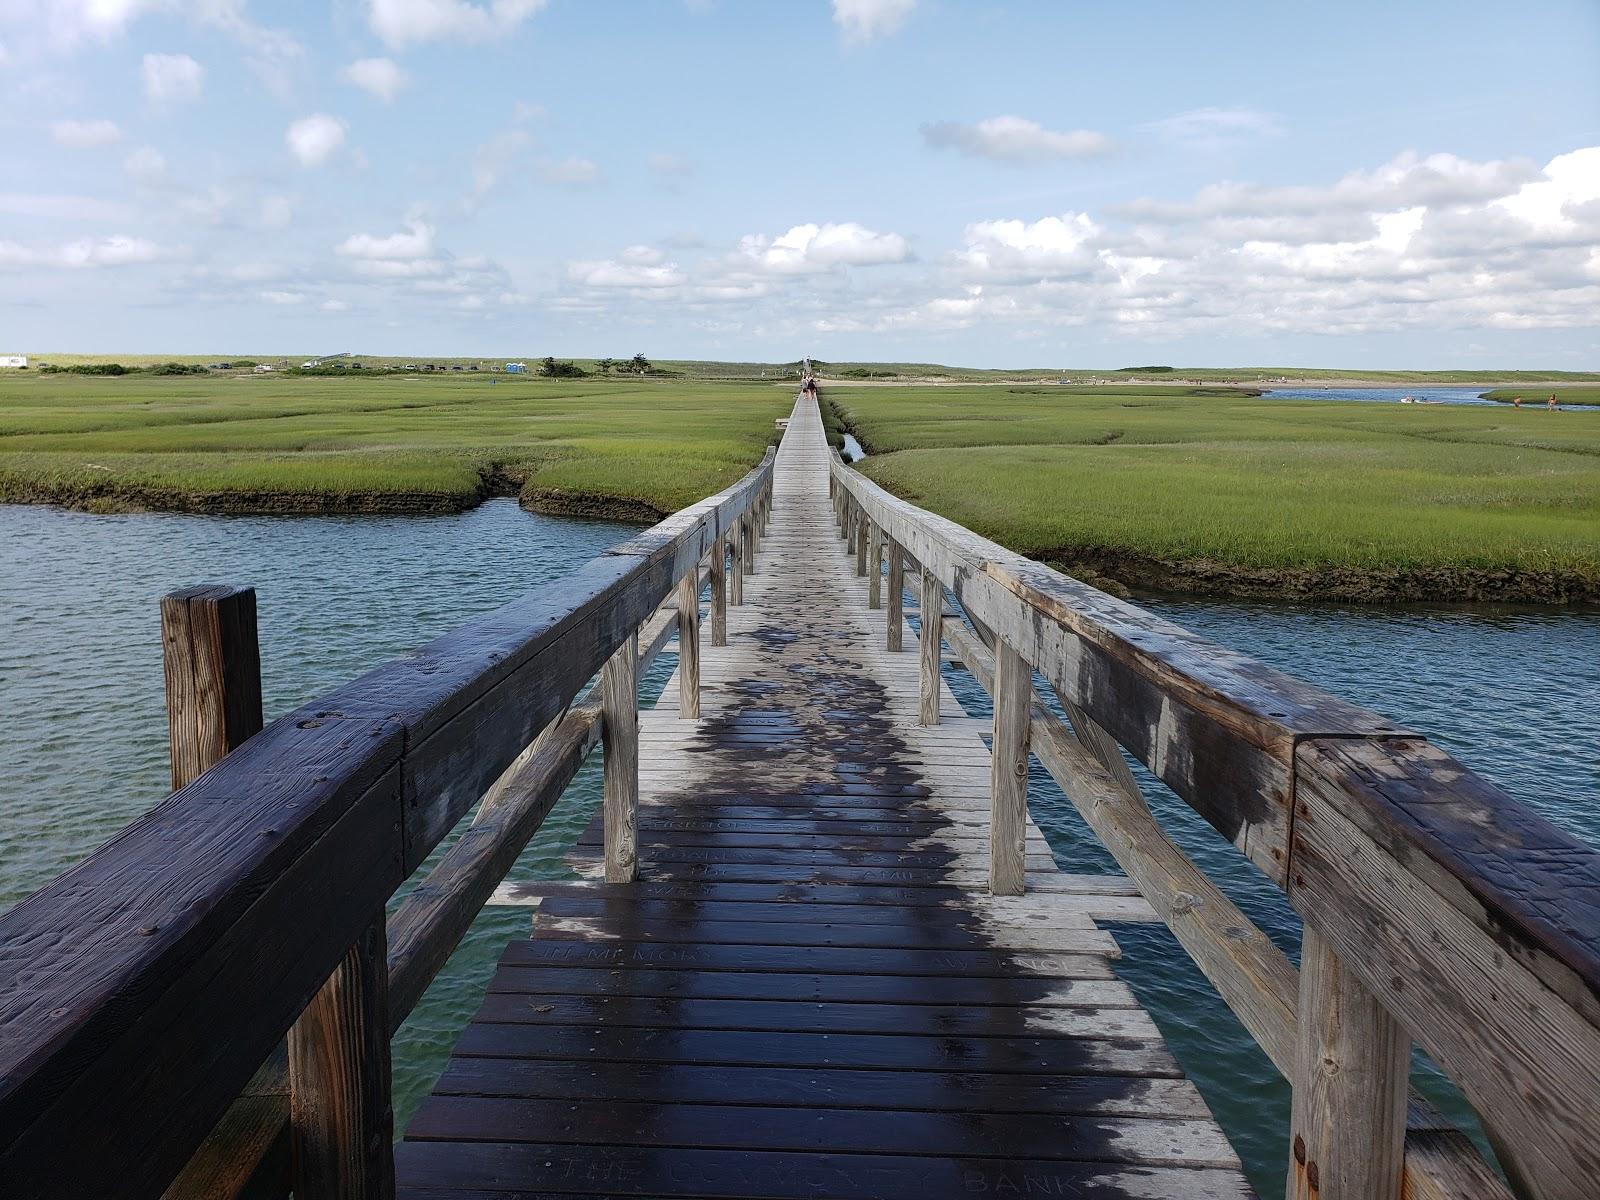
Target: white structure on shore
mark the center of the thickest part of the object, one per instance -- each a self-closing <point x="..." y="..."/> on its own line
<point x="13" y="360"/>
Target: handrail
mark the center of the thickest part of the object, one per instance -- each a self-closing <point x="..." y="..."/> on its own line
<point x="1435" y="906"/>
<point x="142" y="989"/>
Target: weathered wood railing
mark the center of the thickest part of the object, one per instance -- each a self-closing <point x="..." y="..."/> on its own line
<point x="1435" y="907"/>
<point x="146" y="996"/>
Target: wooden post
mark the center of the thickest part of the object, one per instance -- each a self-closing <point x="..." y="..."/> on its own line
<point x="852" y="527"/>
<point x="619" y="702"/>
<point x="340" y="1110"/>
<point x="719" y="592"/>
<point x="874" y="565"/>
<point x="753" y="533"/>
<point x="748" y="525"/>
<point x="212" y="662"/>
<point x="736" y="557"/>
<point x="844" y="517"/>
<point x="1347" y="1129"/>
<point x="897" y="587"/>
<point x="1008" y="772"/>
<point x="689" y="644"/>
<point x="861" y="544"/>
<point x="932" y="610"/>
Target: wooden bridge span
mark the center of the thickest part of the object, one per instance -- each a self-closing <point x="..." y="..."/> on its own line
<point x="815" y="946"/>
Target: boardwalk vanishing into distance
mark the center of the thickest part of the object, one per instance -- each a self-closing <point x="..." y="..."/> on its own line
<point x="813" y="945"/>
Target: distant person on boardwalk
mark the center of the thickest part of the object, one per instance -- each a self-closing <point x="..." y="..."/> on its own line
<point x="1550" y="405"/>
<point x="1517" y="400"/>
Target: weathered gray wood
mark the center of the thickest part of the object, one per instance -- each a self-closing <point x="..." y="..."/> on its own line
<point x="874" y="566"/>
<point x="1251" y="974"/>
<point x="928" y="645"/>
<point x="861" y="544"/>
<point x="1008" y="803"/>
<point x="212" y="663"/>
<point x="1347" y="1129"/>
<point x="747" y="529"/>
<point x="341" y="1117"/>
<point x="1467" y="916"/>
<point x="736" y="582"/>
<point x="895" y="620"/>
<point x="689" y="646"/>
<point x="619" y="689"/>
<point x="719" y="592"/>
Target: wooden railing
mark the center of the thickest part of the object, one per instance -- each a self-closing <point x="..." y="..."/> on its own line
<point x="203" y="1007"/>
<point x="1436" y="909"/>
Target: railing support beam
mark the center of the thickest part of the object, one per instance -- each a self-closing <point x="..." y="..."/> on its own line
<point x="340" y="1112"/>
<point x="689" y="645"/>
<point x="719" y="591"/>
<point x="736" y="557"/>
<point x="1347" y="1129"/>
<point x="897" y="586"/>
<point x="619" y="699"/>
<point x="932" y="612"/>
<point x="874" y="565"/>
<point x="212" y="662"/>
<point x="1008" y="772"/>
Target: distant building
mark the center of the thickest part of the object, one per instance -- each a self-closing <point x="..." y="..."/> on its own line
<point x="14" y="360"/>
<point x="263" y="369"/>
<point x="517" y="368"/>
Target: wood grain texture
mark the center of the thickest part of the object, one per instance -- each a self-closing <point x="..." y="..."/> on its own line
<point x="340" y="1113"/>
<point x="894" y="619"/>
<point x="1008" y="777"/>
<point x="719" y="592"/>
<point x="928" y="647"/>
<point x="737" y="565"/>
<point x="1347" y="1127"/>
<point x="212" y="664"/>
<point x="689" y="646"/>
<point x="874" y="566"/>
<point x="619" y="702"/>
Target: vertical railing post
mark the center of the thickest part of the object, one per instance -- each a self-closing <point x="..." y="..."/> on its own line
<point x="1008" y="772"/>
<point x="874" y="565"/>
<point x="619" y="701"/>
<point x="897" y="587"/>
<point x="211" y="658"/>
<point x="340" y="1109"/>
<point x="862" y="521"/>
<point x="719" y="591"/>
<point x="689" y="644"/>
<point x="736" y="585"/>
<point x="1352" y="1062"/>
<point x="852" y="527"/>
<point x="931" y="610"/>
<point x="752" y="532"/>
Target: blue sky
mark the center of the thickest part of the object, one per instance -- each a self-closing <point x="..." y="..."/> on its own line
<point x="992" y="184"/>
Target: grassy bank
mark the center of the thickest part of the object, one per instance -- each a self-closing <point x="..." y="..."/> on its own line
<point x="629" y="448"/>
<point x="1569" y="394"/>
<point x="1215" y="491"/>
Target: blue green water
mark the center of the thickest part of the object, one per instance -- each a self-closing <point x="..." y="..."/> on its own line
<point x="1514" y="693"/>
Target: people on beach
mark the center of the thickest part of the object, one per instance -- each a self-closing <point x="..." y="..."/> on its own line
<point x="1550" y="405"/>
<point x="1517" y="400"/>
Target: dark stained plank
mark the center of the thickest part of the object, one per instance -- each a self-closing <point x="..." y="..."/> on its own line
<point x="906" y="935"/>
<point x="462" y="1170"/>
<point x="1024" y="1054"/>
<point x="824" y="1087"/>
<point x="859" y="1131"/>
<point x="806" y="894"/>
<point x="805" y="959"/>
<point x="972" y="992"/>
<point x="951" y="918"/>
<point x="932" y="859"/>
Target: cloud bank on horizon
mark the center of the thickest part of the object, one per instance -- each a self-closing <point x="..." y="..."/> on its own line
<point x="861" y="179"/>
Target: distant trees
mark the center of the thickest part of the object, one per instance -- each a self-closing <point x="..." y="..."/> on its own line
<point x="551" y="369"/>
<point x="607" y="365"/>
<point x="639" y="364"/>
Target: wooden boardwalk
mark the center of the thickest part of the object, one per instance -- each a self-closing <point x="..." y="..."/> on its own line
<point x="809" y="991"/>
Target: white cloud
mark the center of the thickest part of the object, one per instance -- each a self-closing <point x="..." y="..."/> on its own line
<point x="570" y="172"/>
<point x="117" y="250"/>
<point x="1048" y="247"/>
<point x="278" y="297"/>
<point x="1015" y="140"/>
<point x="172" y="78"/>
<point x="402" y="23"/>
<point x="333" y="306"/>
<point x="491" y="161"/>
<point x="85" y="135"/>
<point x="146" y="166"/>
<point x="806" y="248"/>
<point x="382" y="77"/>
<point x="415" y="243"/>
<point x="864" y="21"/>
<point x="635" y="267"/>
<point x="61" y="207"/>
<point x="1569" y="180"/>
<point x="315" y="139"/>
<point x="1215" y="128"/>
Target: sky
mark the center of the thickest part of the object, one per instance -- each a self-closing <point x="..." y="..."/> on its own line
<point x="1058" y="183"/>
